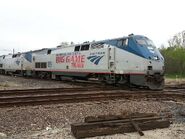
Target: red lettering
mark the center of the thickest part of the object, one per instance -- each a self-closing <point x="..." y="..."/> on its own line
<point x="83" y="58"/>
<point x="72" y="59"/>
<point x="77" y="58"/>
<point x="59" y="59"/>
<point x="77" y="61"/>
<point x="67" y="59"/>
<point x="77" y="65"/>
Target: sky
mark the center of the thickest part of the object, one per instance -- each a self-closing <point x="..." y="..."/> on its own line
<point x="35" y="24"/>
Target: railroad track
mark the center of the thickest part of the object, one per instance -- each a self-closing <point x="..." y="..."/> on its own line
<point x="177" y="86"/>
<point x="9" y="98"/>
<point x="42" y="96"/>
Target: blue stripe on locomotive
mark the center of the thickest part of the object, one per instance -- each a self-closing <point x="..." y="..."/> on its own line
<point x="135" y="48"/>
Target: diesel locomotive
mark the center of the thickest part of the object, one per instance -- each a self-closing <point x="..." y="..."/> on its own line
<point x="133" y="60"/>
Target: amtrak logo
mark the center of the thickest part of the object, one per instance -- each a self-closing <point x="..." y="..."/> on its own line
<point x="95" y="59"/>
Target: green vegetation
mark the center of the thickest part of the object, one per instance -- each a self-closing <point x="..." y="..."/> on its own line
<point x="175" y="76"/>
<point x="174" y="61"/>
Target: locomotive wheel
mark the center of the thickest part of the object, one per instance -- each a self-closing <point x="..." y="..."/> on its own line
<point x="156" y="85"/>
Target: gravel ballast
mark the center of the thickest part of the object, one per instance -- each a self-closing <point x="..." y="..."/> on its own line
<point x="53" y="121"/>
<point x="56" y="119"/>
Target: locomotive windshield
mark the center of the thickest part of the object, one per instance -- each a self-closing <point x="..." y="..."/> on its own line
<point x="147" y="43"/>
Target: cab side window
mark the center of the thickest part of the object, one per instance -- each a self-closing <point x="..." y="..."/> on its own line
<point x="122" y="43"/>
<point x="85" y="47"/>
<point x="119" y="43"/>
<point x="77" y="48"/>
<point x="49" y="51"/>
<point x="125" y="42"/>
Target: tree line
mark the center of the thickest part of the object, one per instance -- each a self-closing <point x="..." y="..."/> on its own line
<point x="174" y="55"/>
<point x="174" y="60"/>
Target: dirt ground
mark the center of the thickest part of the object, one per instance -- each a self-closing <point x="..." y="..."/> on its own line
<point x="177" y="81"/>
<point x="53" y="121"/>
<point x="13" y="82"/>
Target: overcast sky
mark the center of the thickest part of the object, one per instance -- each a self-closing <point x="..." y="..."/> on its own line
<point x="34" y="24"/>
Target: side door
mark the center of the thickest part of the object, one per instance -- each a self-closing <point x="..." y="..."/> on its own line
<point x="111" y="58"/>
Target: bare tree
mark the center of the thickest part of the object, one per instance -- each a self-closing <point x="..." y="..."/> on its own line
<point x="178" y="40"/>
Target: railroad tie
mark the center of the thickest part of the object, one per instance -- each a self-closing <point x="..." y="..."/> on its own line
<point x="114" y="124"/>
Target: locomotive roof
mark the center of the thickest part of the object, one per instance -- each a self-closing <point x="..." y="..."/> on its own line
<point x="106" y="40"/>
<point x="73" y="45"/>
<point x="87" y="42"/>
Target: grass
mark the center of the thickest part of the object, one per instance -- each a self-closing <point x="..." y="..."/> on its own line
<point x="175" y="76"/>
